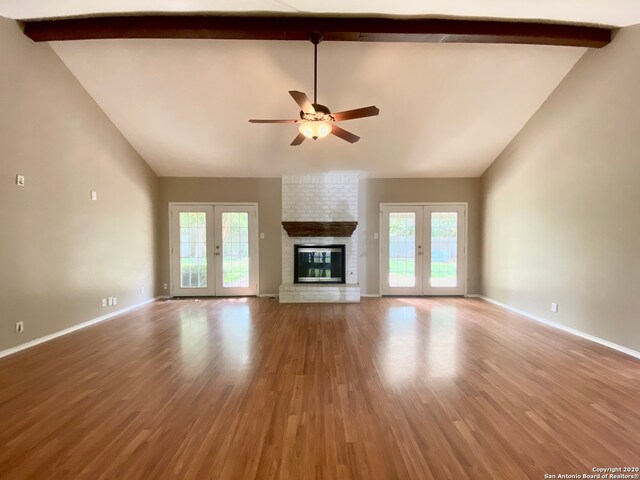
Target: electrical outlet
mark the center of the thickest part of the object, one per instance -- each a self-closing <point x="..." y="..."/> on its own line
<point x="20" y="180"/>
<point x="165" y="286"/>
<point x="94" y="195"/>
<point x="375" y="236"/>
<point x="554" y="307"/>
<point x="261" y="235"/>
<point x="19" y="327"/>
<point x="110" y="301"/>
<point x="115" y="300"/>
<point x="104" y="302"/>
<point x="141" y="290"/>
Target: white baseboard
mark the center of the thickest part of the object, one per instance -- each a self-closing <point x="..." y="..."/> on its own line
<point x="79" y="326"/>
<point x="564" y="328"/>
<point x="473" y="295"/>
<point x="370" y="295"/>
<point x="260" y="295"/>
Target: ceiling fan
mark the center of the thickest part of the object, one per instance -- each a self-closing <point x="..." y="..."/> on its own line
<point x="317" y="121"/>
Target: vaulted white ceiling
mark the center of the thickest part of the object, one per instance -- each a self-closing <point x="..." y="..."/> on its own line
<point x="446" y="109"/>
<point x="606" y="12"/>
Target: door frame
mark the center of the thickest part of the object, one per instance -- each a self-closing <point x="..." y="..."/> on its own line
<point x="174" y="260"/>
<point x="418" y="211"/>
<point x="212" y="204"/>
<point x="254" y="269"/>
<point x="426" y="204"/>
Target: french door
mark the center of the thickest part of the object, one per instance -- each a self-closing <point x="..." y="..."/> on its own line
<point x="214" y="250"/>
<point x="423" y="249"/>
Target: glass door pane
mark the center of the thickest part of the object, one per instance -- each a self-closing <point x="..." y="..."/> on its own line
<point x="402" y="249"/>
<point x="444" y="249"/>
<point x="235" y="249"/>
<point x="401" y="266"/>
<point x="191" y="250"/>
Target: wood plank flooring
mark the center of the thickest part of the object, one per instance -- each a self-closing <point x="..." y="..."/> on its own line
<point x="251" y="389"/>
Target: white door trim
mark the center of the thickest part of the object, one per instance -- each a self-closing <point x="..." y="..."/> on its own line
<point x="427" y="289"/>
<point x="212" y="204"/>
<point x="175" y="257"/>
<point x="252" y="211"/>
<point x="425" y="204"/>
<point x="385" y="211"/>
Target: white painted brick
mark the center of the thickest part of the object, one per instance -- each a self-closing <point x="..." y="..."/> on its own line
<point x="321" y="197"/>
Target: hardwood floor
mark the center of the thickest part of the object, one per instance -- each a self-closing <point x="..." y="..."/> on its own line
<point x="251" y="389"/>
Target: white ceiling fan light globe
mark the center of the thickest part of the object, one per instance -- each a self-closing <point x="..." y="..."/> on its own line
<point x="315" y="129"/>
<point x="324" y="129"/>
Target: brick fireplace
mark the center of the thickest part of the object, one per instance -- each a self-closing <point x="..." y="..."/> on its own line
<point x="320" y="198"/>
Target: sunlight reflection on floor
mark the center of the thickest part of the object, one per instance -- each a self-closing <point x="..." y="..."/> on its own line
<point x="194" y="340"/>
<point x="236" y="334"/>
<point x="401" y="356"/>
<point x="443" y="349"/>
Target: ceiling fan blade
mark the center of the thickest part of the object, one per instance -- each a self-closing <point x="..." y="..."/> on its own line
<point x="303" y="101"/>
<point x="357" y="113"/>
<point x="343" y="134"/>
<point x="272" y="121"/>
<point x="298" y="140"/>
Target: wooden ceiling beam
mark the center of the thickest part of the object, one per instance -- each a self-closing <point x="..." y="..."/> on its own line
<point x="355" y="29"/>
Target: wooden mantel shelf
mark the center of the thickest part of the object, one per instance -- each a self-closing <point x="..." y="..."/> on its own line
<point x="320" y="229"/>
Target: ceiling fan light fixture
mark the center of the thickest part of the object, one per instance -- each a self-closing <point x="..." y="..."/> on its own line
<point x="316" y="120"/>
<point x="315" y="129"/>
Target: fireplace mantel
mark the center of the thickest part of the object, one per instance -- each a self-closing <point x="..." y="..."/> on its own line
<point x="320" y="229"/>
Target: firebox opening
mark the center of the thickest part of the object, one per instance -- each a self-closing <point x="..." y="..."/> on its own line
<point x="319" y="264"/>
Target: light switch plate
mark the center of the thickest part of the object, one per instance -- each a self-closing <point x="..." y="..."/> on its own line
<point x="261" y="236"/>
<point x="20" y="180"/>
<point x="554" y="307"/>
<point x="94" y="195"/>
<point x="375" y="236"/>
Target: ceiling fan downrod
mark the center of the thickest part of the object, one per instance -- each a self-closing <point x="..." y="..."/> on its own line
<point x="315" y="38"/>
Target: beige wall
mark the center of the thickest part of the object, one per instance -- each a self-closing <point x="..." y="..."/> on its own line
<point x="374" y="191"/>
<point x="562" y="203"/>
<point x="60" y="252"/>
<point x="266" y="191"/>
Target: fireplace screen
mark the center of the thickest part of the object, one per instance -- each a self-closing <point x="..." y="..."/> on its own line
<point x="319" y="263"/>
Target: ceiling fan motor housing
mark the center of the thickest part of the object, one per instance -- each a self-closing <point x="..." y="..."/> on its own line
<point x="322" y="113"/>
